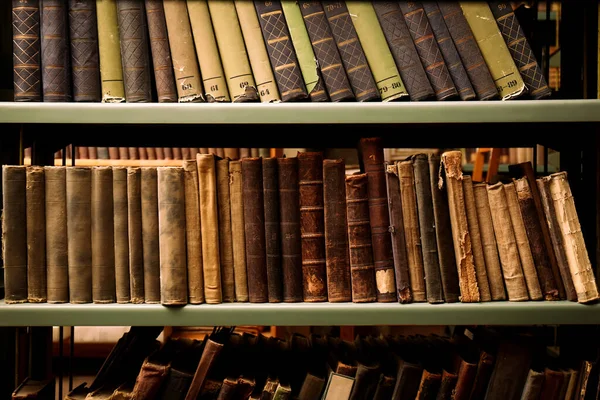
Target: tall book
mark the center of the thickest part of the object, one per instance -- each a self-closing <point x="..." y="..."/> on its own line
<point x="161" y="54"/>
<point x="225" y="232"/>
<point x="56" y="243"/>
<point x="150" y="234"/>
<point x="137" y="237"/>
<point x="193" y="237"/>
<point x="238" y="235"/>
<point x="111" y="66"/>
<point x="36" y="234"/>
<point x="27" y="75"/>
<point x="121" y="235"/>
<point x="56" y="73"/>
<point x="272" y="229"/>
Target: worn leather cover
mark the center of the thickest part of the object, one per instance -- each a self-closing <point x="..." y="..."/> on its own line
<point x="149" y="194"/>
<point x="122" y="281"/>
<point x="225" y="235"/>
<point x="56" y="243"/>
<point x="385" y="387"/>
<point x="161" y="53"/>
<point x="485" y="366"/>
<point x="238" y="235"/>
<point x="514" y="359"/>
<point x="36" y="234"/>
<point x="408" y="380"/>
<point x="136" y="238"/>
<point x="272" y="230"/>
<point x="56" y="72"/>
<point x="193" y="237"/>
<point x="177" y="384"/>
<point x="429" y="386"/>
<point x="109" y="49"/>
<point x="466" y="377"/>
<point x="447" y="386"/>
<point x="533" y="385"/>
<point x="26" y="50"/>
<point x="365" y="383"/>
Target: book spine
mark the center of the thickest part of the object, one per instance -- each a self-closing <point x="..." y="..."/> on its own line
<point x="150" y="243"/>
<point x="385" y="387"/>
<point x="109" y="50"/>
<point x="429" y="385"/>
<point x="161" y="53"/>
<point x="56" y="243"/>
<point x="136" y="239"/>
<point x="237" y="230"/>
<point x="272" y="232"/>
<point x="150" y="379"/>
<point x="133" y="37"/>
<point x="533" y="385"/>
<point x="225" y="234"/>
<point x="121" y="235"/>
<point x="447" y="386"/>
<point x="281" y="51"/>
<point x="485" y="368"/>
<point x="362" y="268"/>
<point x="26" y="50"/>
<point x="466" y="377"/>
<point x="56" y="74"/>
<point x="210" y="354"/>
<point x="36" y="234"/>
<point x="257" y="52"/>
<point x="193" y="235"/>
<point x="171" y="237"/>
<point x="339" y="286"/>
<point x="291" y="243"/>
<point x="351" y="52"/>
<point x="135" y="153"/>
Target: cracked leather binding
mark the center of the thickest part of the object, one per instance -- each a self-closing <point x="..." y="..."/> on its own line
<point x="56" y="244"/>
<point x="85" y="64"/>
<point x="195" y="280"/>
<point x="36" y="235"/>
<point x="122" y="281"/>
<point x="272" y="231"/>
<point x="150" y="245"/>
<point x="281" y="51"/>
<point x="135" y="234"/>
<point x="27" y="75"/>
<point x="56" y="74"/>
<point x="351" y="51"/>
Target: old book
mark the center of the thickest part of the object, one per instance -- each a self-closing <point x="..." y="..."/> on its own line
<point x="371" y="151"/>
<point x="312" y="387"/>
<point x="485" y="367"/>
<point x="209" y="217"/>
<point x="533" y="385"/>
<point x="448" y="49"/>
<point x="237" y="231"/>
<point x="326" y="52"/>
<point x="408" y="379"/>
<point x="257" y="52"/>
<point x="553" y="381"/>
<point x="193" y="237"/>
<point x="352" y="54"/>
<point x="121" y="235"/>
<point x="268" y="391"/>
<point x="428" y="49"/>
<point x="161" y="53"/>
<point x="281" y="51"/>
<point x="109" y="50"/>
<point x="225" y="235"/>
<point x="177" y="154"/>
<point x="519" y="48"/>
<point x="36" y="234"/>
<point x="574" y="244"/>
<point x="150" y="233"/>
<point x="365" y="384"/>
<point x="56" y="244"/>
<point x="338" y="387"/>
<point x="447" y="386"/>
<point x="291" y="242"/>
<point x="403" y="50"/>
<point x="272" y="232"/>
<point x="315" y="85"/>
<point x="133" y="37"/>
<point x="282" y="392"/>
<point x="501" y="65"/>
<point x="399" y="252"/>
<point x="429" y="385"/>
<point x="34" y="389"/>
<point x="27" y="75"/>
<point x="385" y="387"/>
<point x="56" y="73"/>
<point x="183" y="54"/>
<point x="312" y="226"/>
<point x="468" y="49"/>
<point x="514" y="359"/>
<point x="379" y="56"/>
<point x="137" y="239"/>
<point x="466" y="378"/>
<point x="339" y="286"/>
<point x="467" y="278"/>
<point x="476" y="245"/>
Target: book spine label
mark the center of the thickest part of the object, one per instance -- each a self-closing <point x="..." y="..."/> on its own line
<point x="56" y="74"/>
<point x="121" y="235"/>
<point x="225" y="235"/>
<point x="135" y="235"/>
<point x="150" y="245"/>
<point x="109" y="48"/>
<point x="36" y="235"/>
<point x="26" y="50"/>
<point x="272" y="232"/>
<point x="193" y="236"/>
<point x="238" y="235"/>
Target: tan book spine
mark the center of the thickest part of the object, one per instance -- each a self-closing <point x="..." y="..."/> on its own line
<point x="122" y="281"/>
<point x="238" y="235"/>
<point x="193" y="232"/>
<point x="225" y="233"/>
<point x="183" y="55"/>
<point x="56" y="244"/>
<point x="109" y="47"/>
<point x="135" y="234"/>
<point x="150" y="232"/>
<point x="493" y="47"/>
<point x="213" y="77"/>
<point x="36" y="235"/>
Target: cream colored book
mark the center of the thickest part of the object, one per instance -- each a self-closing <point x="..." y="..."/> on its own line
<point x="109" y="48"/>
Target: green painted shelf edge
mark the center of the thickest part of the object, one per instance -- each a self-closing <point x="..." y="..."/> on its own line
<point x="534" y="111"/>
<point x="285" y="314"/>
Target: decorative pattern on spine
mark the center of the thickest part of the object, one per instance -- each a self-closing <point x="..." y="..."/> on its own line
<point x="161" y="54"/>
<point x="56" y="74"/>
<point x="26" y="50"/>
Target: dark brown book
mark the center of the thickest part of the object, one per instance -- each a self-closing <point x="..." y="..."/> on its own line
<point x="225" y="230"/>
<point x="339" y="286"/>
<point x="408" y="380"/>
<point x="385" y="387"/>
<point x="466" y="377"/>
<point x="210" y="355"/>
<point x="56" y="71"/>
<point x="272" y="231"/>
<point x="135" y="235"/>
<point x="93" y="152"/>
<point x="533" y="385"/>
<point x="365" y="382"/>
<point x="27" y="75"/>
<point x="177" y="155"/>
<point x="168" y="153"/>
<point x="238" y="236"/>
<point x="123" y="153"/>
<point x="553" y="380"/>
<point x="193" y="236"/>
<point x="485" y="367"/>
<point x="429" y="386"/>
<point x="161" y="52"/>
<point x="122" y="281"/>
<point x="513" y="362"/>
<point x="36" y="235"/>
<point x="312" y="226"/>
<point x="113" y="153"/>
<point x="150" y="243"/>
<point x="133" y="153"/>
<point x="447" y="386"/>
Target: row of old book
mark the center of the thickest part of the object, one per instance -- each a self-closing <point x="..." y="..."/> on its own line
<point x="257" y="51"/>
<point x="155" y="153"/>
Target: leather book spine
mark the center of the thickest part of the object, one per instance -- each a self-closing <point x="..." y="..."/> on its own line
<point x="525" y="255"/>
<point x="211" y="389"/>
<point x="254" y="224"/>
<point x="281" y="51"/>
<point x="401" y="269"/>
<point x="533" y="385"/>
<point x="109" y="50"/>
<point x="488" y="242"/>
<point x="93" y="152"/>
<point x="161" y="53"/>
<point x="135" y="235"/>
<point x="312" y="388"/>
<point x="229" y="152"/>
<point x="519" y="48"/>
<point x="83" y="153"/>
<point x="428" y="49"/>
<point x="102" y="153"/>
<point x="475" y="234"/>
<point x="171" y="237"/>
<point x="232" y="49"/>
<point x="151" y="153"/>
<point x="339" y="285"/>
<point x="257" y="52"/>
<point x="351" y="52"/>
<point x="326" y="51"/>
<point x="362" y="268"/>
<point x="35" y="234"/>
<point x="447" y="386"/>
<point x="283" y="392"/>
<point x="312" y="226"/>
<point x="385" y="387"/>
<point x="411" y="230"/>
<point x="238" y="235"/>
<point x="113" y="153"/>
<point x="79" y="233"/>
<point x="443" y="232"/>
<point x="291" y="242"/>
<point x="469" y="51"/>
<point x="209" y="217"/>
<point x="244" y="152"/>
<point x="245" y="387"/>
<point x="27" y="75"/>
<point x="466" y="378"/>
<point x="183" y="54"/>
<point x="272" y="232"/>
<point x="365" y="383"/>
<point x="150" y="241"/>
<point x="572" y="385"/>
<point x="177" y="384"/>
<point x="408" y="380"/>
<point x="56" y="243"/>
<point x="177" y="155"/>
<point x="467" y="278"/>
<point x="168" y="152"/>
<point x="429" y="386"/>
<point x="56" y="74"/>
<point x="225" y="233"/>
<point x="485" y="366"/>
<point x="429" y="249"/>
<point x="553" y="380"/>
<point x="228" y="389"/>
<point x="403" y="50"/>
<point x="371" y="150"/>
<point x="103" y="236"/>
<point x="508" y="249"/>
<point x="268" y="391"/>
<point x="449" y="52"/>
<point x="193" y="237"/>
<point x="133" y="38"/>
<point x="85" y="64"/>
<point x="133" y="153"/>
<point x="121" y="235"/>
